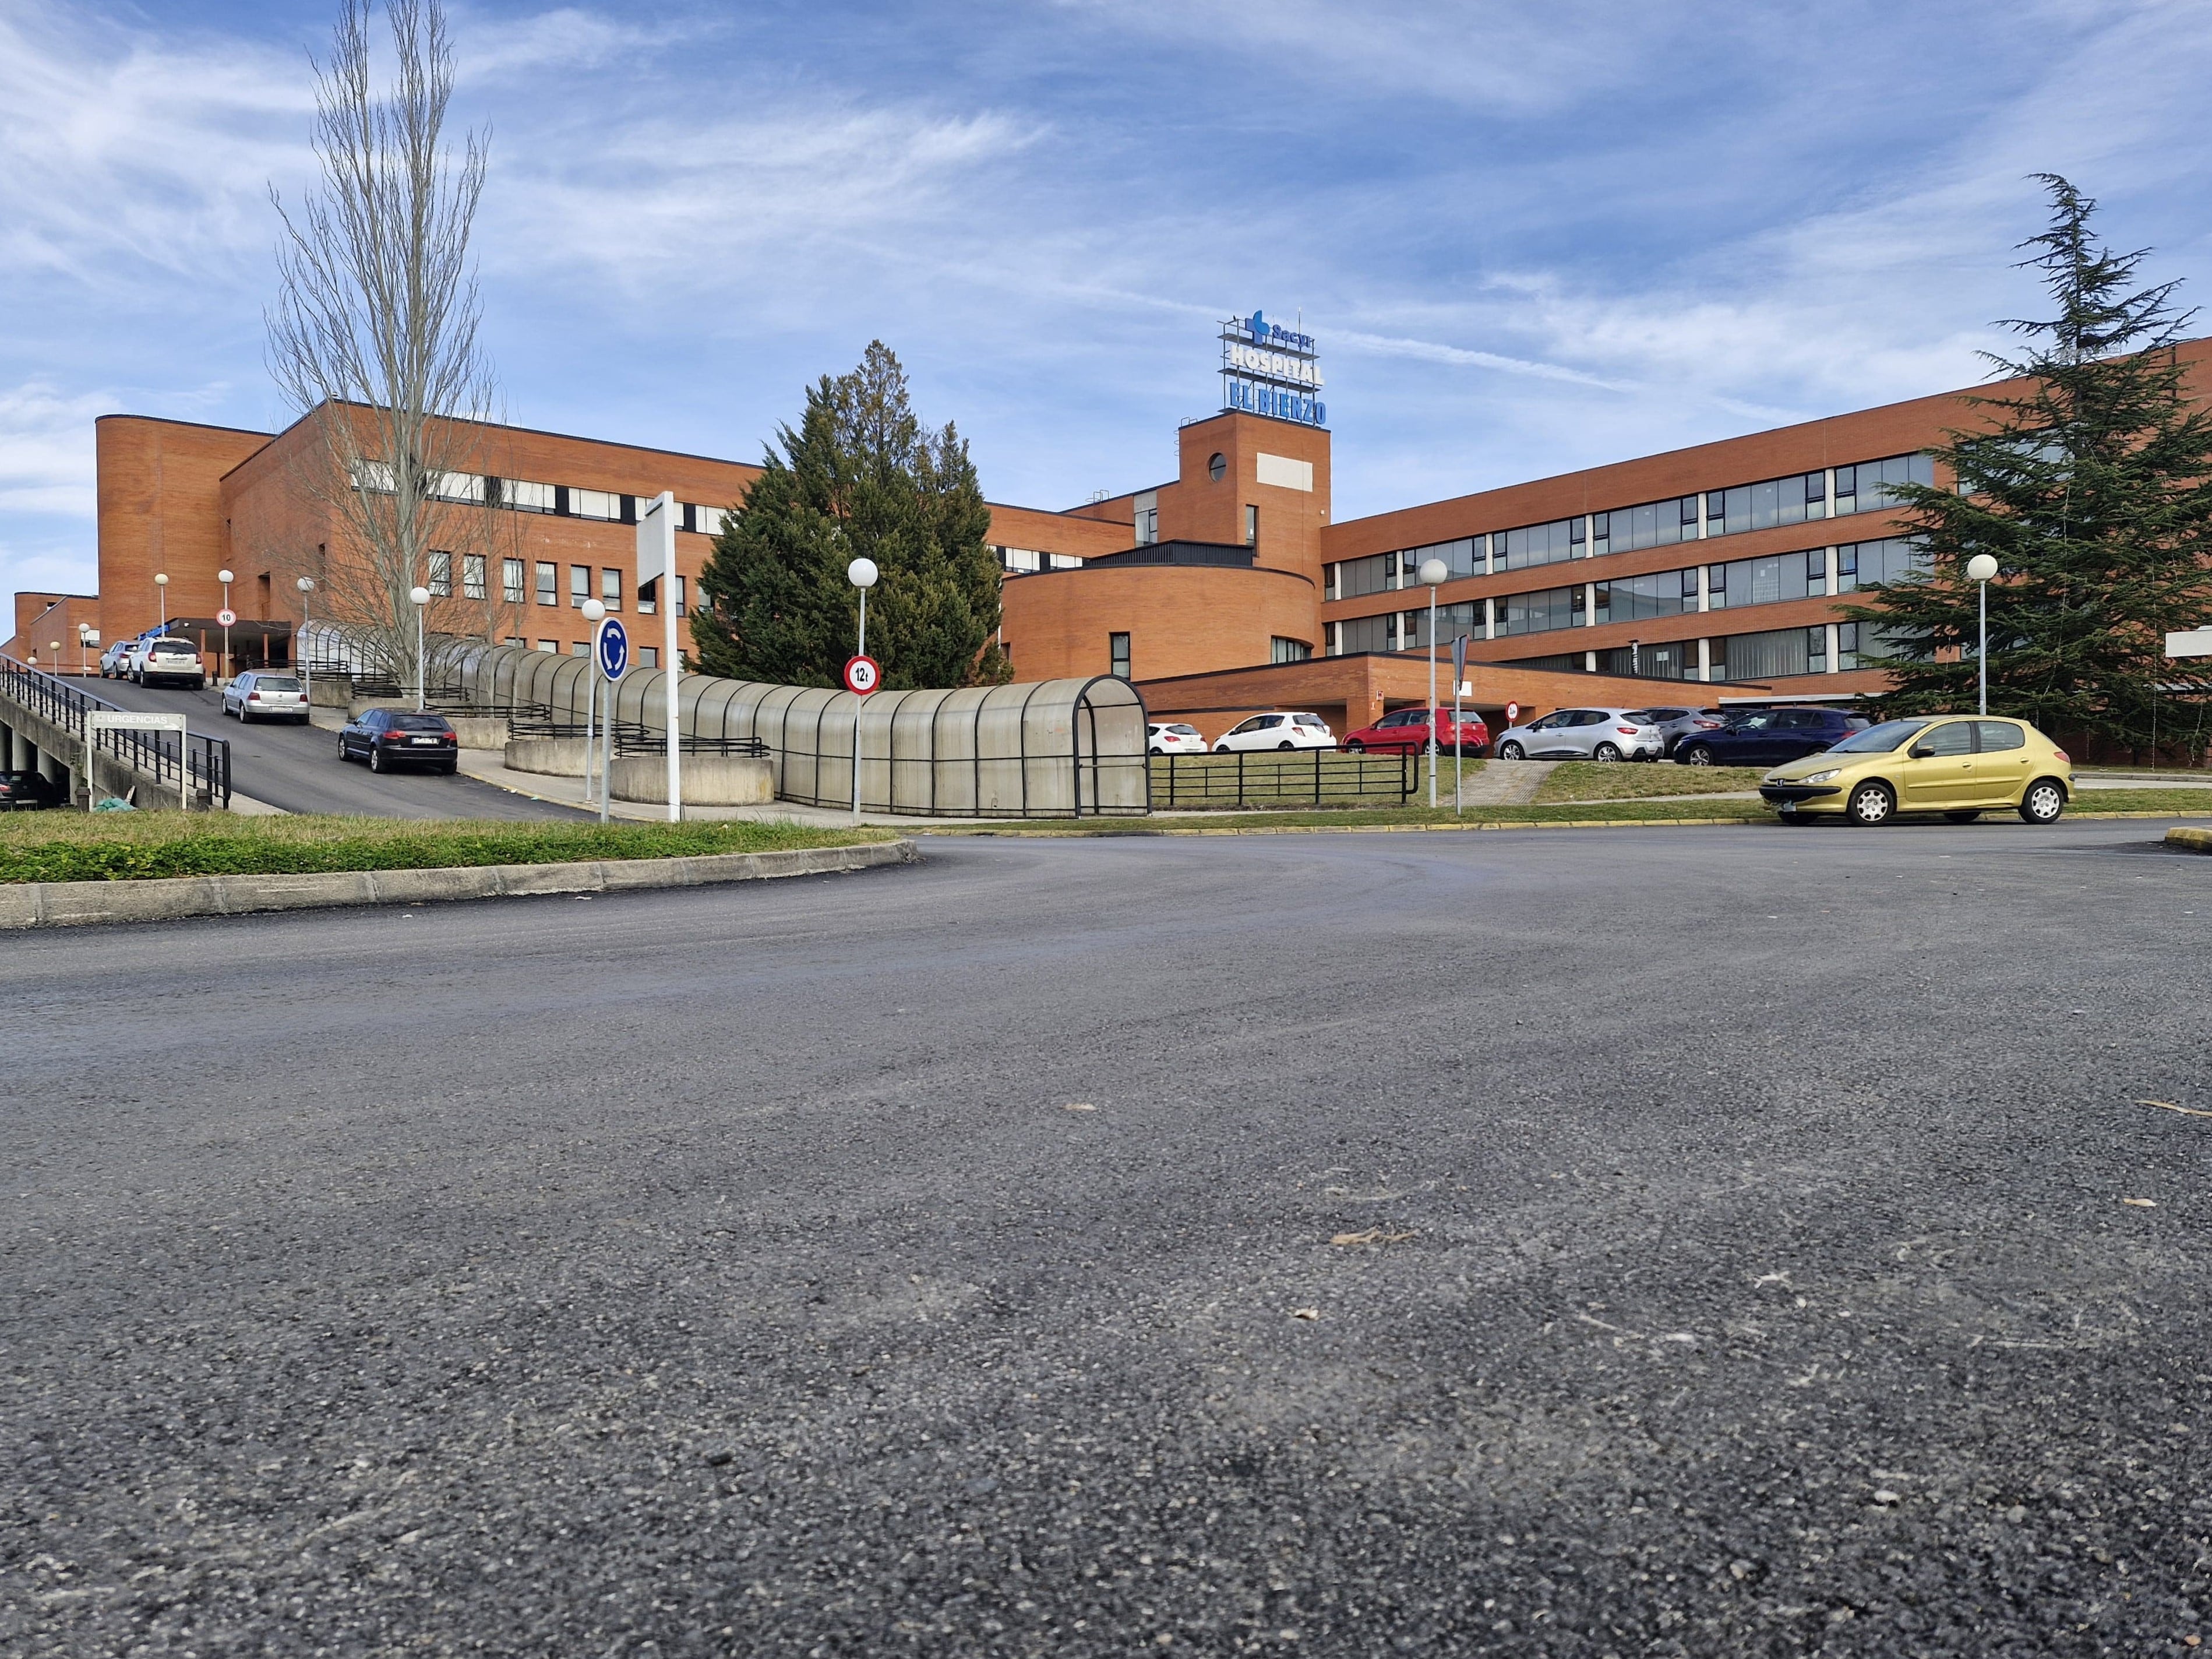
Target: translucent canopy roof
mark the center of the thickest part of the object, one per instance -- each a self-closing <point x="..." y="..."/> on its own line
<point x="1054" y="748"/>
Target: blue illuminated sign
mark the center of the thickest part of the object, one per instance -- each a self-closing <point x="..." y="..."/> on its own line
<point x="1268" y="369"/>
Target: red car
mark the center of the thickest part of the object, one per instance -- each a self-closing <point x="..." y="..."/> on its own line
<point x="1408" y="729"/>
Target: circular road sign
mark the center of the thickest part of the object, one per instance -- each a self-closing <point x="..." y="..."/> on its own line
<point x="611" y="648"/>
<point x="862" y="675"/>
<point x="226" y="618"/>
<point x="1512" y="714"/>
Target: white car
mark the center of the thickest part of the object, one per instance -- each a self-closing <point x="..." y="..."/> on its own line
<point x="1173" y="737"/>
<point x="266" y="694"/>
<point x="114" y="662"/>
<point x="1277" y="731"/>
<point x="176" y="661"/>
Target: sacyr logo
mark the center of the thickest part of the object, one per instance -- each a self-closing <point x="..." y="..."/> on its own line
<point x="1258" y="324"/>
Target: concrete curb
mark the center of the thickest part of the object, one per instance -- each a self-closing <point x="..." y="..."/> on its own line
<point x="2189" y="841"/>
<point x="80" y="904"/>
<point x="1137" y="828"/>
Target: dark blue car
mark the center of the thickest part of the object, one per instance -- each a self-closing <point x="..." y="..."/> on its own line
<point x="1768" y="737"/>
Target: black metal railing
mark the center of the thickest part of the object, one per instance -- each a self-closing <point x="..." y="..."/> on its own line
<point x="156" y="755"/>
<point x="632" y="738"/>
<point x="1318" y="778"/>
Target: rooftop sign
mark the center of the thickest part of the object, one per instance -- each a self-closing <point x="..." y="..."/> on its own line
<point x="1269" y="369"/>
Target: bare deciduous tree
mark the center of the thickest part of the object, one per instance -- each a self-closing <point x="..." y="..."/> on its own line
<point x="374" y="338"/>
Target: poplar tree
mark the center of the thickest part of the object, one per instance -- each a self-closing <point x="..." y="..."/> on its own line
<point x="2090" y="484"/>
<point x="861" y="477"/>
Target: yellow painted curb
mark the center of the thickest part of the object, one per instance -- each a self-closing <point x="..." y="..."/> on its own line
<point x="2189" y="841"/>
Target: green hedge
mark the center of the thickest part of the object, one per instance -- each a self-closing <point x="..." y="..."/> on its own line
<point x="71" y="847"/>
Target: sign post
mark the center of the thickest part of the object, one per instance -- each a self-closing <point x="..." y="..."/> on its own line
<point x="1459" y="691"/>
<point x="610" y="651"/>
<point x="98" y="721"/>
<point x="656" y="562"/>
<point x="862" y="675"/>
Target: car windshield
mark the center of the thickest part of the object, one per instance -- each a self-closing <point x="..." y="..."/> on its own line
<point x="1878" y="739"/>
<point x="419" y="722"/>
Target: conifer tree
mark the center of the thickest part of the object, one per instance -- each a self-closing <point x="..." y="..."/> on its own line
<point x="2090" y="484"/>
<point x="861" y="476"/>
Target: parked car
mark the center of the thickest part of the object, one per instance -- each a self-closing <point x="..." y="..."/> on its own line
<point x="167" y="661"/>
<point x="400" y="737"/>
<point x="115" y="660"/>
<point x="1173" y="737"/>
<point x="1960" y="768"/>
<point x="1408" y="731"/>
<point x="266" y="694"/>
<point x="1675" y="724"/>
<point x="1583" y="735"/>
<point x="1277" y="731"/>
<point x="28" y="792"/>
<point x="1768" y="737"/>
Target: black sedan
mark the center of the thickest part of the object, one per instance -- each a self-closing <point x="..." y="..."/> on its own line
<point x="1768" y="737"/>
<point x="386" y="738"/>
<point x="28" y="792"/>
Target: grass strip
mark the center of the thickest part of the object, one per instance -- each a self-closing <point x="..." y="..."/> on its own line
<point x="1598" y="780"/>
<point x="119" y="847"/>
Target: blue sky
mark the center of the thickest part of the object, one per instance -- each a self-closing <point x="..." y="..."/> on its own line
<point x="1529" y="236"/>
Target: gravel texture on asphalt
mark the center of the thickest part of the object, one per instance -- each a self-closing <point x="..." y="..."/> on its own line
<point x="1655" y="1243"/>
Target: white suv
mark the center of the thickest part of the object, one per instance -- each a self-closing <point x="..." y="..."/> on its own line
<point x="171" y="661"/>
<point x="1277" y="731"/>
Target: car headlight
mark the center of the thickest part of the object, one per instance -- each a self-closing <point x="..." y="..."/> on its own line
<point x="1827" y="776"/>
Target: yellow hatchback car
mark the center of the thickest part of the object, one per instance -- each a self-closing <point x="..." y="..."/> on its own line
<point x="1961" y="767"/>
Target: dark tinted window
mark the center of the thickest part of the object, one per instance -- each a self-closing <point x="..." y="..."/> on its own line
<point x="419" y="722"/>
<point x="2002" y="734"/>
<point x="1956" y="737"/>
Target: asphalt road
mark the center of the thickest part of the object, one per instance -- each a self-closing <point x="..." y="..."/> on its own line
<point x="1677" y="1241"/>
<point x="297" y="768"/>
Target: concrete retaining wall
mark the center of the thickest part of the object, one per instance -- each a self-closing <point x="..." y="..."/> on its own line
<point x="709" y="780"/>
<point x="77" y="904"/>
<point x="549" y="757"/>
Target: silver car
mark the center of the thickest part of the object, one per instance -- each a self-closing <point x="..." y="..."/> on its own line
<point x="266" y="694"/>
<point x="1676" y="723"/>
<point x="1585" y="735"/>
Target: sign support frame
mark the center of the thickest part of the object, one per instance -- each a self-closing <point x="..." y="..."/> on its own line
<point x="97" y="721"/>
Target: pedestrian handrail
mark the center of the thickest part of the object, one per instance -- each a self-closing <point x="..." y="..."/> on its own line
<point x="205" y="760"/>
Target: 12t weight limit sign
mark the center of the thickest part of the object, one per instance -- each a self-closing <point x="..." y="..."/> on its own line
<point x="862" y="675"/>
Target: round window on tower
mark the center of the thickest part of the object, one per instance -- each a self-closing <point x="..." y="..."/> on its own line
<point x="1217" y="466"/>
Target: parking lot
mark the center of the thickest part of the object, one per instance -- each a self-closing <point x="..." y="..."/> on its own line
<point x="1674" y="1242"/>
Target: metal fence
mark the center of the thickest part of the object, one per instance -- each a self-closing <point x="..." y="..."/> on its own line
<point x="1316" y="777"/>
<point x="153" y="754"/>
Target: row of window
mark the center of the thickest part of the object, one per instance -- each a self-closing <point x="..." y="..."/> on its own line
<point x="1024" y="561"/>
<point x="1776" y="654"/>
<point x="1867" y="486"/>
<point x="1767" y="580"/>
<point x="561" y="500"/>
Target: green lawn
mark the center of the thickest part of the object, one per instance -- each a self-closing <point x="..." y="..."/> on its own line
<point x="1596" y="780"/>
<point x="67" y="846"/>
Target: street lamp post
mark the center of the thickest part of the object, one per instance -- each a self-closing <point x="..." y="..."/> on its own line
<point x="1980" y="568"/>
<point x="307" y="586"/>
<point x="161" y="601"/>
<point x="595" y="612"/>
<point x="87" y="637"/>
<point x="226" y="578"/>
<point x="861" y="573"/>
<point x="420" y="596"/>
<point x="1433" y="575"/>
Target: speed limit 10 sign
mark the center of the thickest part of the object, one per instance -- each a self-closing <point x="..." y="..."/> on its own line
<point x="862" y="675"/>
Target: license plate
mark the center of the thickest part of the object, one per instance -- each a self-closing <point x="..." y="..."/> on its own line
<point x="422" y="739"/>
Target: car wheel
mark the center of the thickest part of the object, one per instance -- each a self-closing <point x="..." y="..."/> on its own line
<point x="1286" y="745"/>
<point x="1147" y="751"/>
<point x="1221" y="749"/>
<point x="1871" y="804"/>
<point x="1965" y="816"/>
<point x="2045" y="800"/>
<point x="345" y="750"/>
<point x="1355" y="746"/>
<point x="450" y="768"/>
<point x="1696" y="755"/>
<point x="376" y="759"/>
<point x="1511" y="752"/>
<point x="1606" y="752"/>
